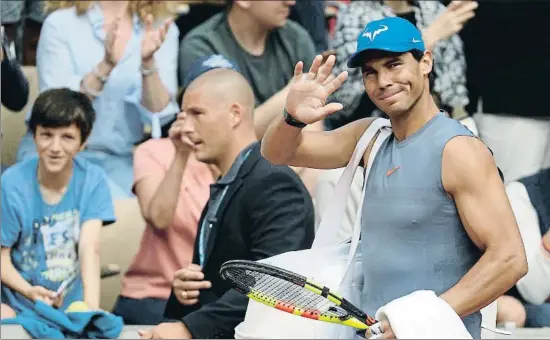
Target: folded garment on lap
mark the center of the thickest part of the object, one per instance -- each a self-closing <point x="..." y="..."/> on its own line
<point x="46" y="322"/>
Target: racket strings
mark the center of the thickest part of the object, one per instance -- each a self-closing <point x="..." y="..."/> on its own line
<point x="287" y="292"/>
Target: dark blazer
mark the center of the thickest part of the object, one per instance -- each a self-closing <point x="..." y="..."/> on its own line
<point x="267" y="211"/>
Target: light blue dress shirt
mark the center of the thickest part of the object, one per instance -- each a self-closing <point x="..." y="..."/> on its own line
<point x="70" y="47"/>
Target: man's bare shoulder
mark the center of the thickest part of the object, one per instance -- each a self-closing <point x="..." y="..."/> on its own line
<point x="466" y="163"/>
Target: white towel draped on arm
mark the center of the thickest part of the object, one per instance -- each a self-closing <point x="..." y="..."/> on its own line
<point x="423" y="315"/>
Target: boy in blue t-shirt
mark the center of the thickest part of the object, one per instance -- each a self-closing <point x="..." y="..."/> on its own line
<point x="53" y="208"/>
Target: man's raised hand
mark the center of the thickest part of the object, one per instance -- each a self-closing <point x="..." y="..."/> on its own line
<point x="308" y="93"/>
<point x="179" y="136"/>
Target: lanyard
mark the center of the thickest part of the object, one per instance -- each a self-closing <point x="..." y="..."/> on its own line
<point x="210" y="217"/>
<point x="210" y="222"/>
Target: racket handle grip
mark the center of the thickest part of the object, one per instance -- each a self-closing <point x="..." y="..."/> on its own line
<point x="375" y="329"/>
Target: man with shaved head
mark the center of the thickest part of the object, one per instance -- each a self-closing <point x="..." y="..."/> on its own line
<point x="255" y="209"/>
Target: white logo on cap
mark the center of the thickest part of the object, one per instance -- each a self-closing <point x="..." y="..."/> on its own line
<point x="372" y="35"/>
<point x="416" y="41"/>
<point x="217" y="61"/>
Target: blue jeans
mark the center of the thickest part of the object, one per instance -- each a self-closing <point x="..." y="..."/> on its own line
<point x="148" y="311"/>
<point x="537" y="315"/>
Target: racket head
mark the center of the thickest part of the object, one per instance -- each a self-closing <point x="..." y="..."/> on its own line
<point x="292" y="293"/>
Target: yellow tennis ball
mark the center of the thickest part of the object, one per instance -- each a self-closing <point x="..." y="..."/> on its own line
<point x="78" y="306"/>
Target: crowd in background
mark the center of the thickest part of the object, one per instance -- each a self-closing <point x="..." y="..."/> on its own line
<point x="135" y="71"/>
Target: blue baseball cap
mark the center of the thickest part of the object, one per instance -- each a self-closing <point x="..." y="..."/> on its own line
<point x="392" y="34"/>
<point x="207" y="63"/>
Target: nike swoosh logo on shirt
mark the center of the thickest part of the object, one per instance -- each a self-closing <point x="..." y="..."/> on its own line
<point x="391" y="171"/>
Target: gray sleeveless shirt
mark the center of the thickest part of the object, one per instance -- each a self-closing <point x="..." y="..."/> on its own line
<point x="412" y="237"/>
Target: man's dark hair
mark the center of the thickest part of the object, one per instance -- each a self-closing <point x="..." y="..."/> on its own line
<point x="62" y="107"/>
<point x="417" y="55"/>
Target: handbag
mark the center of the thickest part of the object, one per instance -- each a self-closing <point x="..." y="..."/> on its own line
<point x="335" y="265"/>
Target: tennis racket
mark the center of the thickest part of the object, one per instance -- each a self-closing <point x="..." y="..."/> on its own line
<point x="295" y="294"/>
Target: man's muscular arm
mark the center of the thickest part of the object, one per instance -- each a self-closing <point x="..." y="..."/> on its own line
<point x="306" y="102"/>
<point x="285" y="144"/>
<point x="471" y="177"/>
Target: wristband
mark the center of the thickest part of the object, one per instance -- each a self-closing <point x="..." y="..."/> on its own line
<point x="291" y="121"/>
<point x="98" y="75"/>
<point x="147" y="72"/>
<point x="87" y="90"/>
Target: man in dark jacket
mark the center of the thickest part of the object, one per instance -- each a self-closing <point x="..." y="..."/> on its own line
<point x="255" y="210"/>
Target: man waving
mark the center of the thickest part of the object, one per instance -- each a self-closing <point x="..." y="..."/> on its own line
<point x="435" y="207"/>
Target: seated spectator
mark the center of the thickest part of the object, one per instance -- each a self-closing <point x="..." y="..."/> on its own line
<point x="197" y="12"/>
<point x="439" y="32"/>
<point x="125" y="60"/>
<point x="308" y="13"/>
<point x="528" y="304"/>
<point x="53" y="208"/>
<point x="264" y="44"/>
<point x="172" y="187"/>
<point x="255" y="210"/>
<point x="15" y="86"/>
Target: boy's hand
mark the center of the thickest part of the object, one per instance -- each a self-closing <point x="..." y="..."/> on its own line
<point x="58" y="301"/>
<point x="39" y="293"/>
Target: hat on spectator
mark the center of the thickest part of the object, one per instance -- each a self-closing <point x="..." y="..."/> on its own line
<point x="392" y="34"/>
<point x="205" y="64"/>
